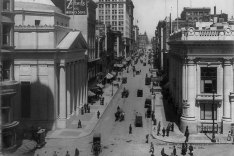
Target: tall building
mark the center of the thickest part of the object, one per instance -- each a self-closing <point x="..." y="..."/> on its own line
<point x="48" y="62"/>
<point x="201" y="77"/>
<point x="8" y="87"/>
<point x="136" y="37"/>
<point x="143" y="40"/>
<point x="118" y="14"/>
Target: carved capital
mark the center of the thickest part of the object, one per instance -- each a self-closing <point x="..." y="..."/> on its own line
<point x="190" y="60"/>
<point x="227" y="60"/>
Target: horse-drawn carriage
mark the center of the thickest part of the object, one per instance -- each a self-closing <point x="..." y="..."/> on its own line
<point x="125" y="93"/>
<point x="119" y="115"/>
<point x="96" y="147"/>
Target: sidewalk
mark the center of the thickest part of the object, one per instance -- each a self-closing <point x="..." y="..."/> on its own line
<point x="88" y="120"/>
<point x="177" y="136"/>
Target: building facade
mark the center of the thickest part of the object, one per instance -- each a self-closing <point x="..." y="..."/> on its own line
<point x="118" y="14"/>
<point x="50" y="64"/>
<point x="201" y="75"/>
<point x="8" y="86"/>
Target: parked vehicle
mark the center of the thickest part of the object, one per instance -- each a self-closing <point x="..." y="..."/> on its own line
<point x="96" y="147"/>
<point x="138" y="121"/>
<point x="148" y="103"/>
<point x="139" y="93"/>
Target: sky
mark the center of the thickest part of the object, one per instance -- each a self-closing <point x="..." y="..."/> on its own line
<point x="149" y="12"/>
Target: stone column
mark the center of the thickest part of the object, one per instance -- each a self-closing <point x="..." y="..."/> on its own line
<point x="80" y="82"/>
<point x="188" y="118"/>
<point x="72" y="96"/>
<point x="227" y="87"/>
<point x="68" y="83"/>
<point x="77" y="87"/>
<point x="62" y="97"/>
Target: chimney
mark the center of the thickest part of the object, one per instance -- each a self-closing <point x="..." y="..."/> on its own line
<point x="214" y="10"/>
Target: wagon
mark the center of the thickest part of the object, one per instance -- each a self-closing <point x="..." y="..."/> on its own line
<point x="96" y="147"/>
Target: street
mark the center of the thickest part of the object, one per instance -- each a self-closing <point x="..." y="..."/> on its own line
<point x="115" y="137"/>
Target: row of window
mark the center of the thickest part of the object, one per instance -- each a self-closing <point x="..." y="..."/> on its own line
<point x="121" y="17"/>
<point x="121" y="11"/>
<point x="111" y="0"/>
<point x="109" y="5"/>
<point x="197" y="13"/>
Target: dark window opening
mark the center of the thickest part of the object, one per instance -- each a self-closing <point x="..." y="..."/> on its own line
<point x="37" y="22"/>
<point x="206" y="111"/>
<point x="6" y="34"/>
<point x="25" y="99"/>
<point x="208" y="79"/>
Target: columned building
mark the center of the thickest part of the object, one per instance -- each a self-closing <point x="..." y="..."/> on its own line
<point x="8" y="86"/>
<point x="50" y="64"/>
<point x="201" y="75"/>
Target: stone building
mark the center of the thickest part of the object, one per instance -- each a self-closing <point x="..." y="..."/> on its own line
<point x="201" y="75"/>
<point x="50" y="64"/>
<point x="8" y="86"/>
<point x="118" y="14"/>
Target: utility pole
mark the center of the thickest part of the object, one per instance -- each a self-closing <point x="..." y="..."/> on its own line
<point x="177" y="17"/>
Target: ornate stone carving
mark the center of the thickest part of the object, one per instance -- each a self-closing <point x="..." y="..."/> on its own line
<point x="227" y="60"/>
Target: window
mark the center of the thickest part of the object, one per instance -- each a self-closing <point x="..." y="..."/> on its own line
<point x="6" y="34"/>
<point x="37" y="22"/>
<point x="120" y="28"/>
<point x="6" y="5"/>
<point x="121" y="23"/>
<point x="107" y="5"/>
<point x="114" y="23"/>
<point x="120" y="5"/>
<point x="6" y="70"/>
<point x="107" y="17"/>
<point x="114" y="17"/>
<point x="114" y="11"/>
<point x="120" y="17"/>
<point x="101" y="17"/>
<point x="107" y="11"/>
<point x="206" y="110"/>
<point x="114" y="5"/>
<point x="101" y="11"/>
<point x="25" y="99"/>
<point x="100" y="5"/>
<point x="107" y="22"/>
<point x="121" y="11"/>
<point x="208" y="79"/>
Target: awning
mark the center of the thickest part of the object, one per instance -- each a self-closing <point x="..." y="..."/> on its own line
<point x="113" y="73"/>
<point x="90" y="93"/>
<point x="100" y="85"/>
<point x="124" y="62"/>
<point x="118" y="65"/>
<point x="109" y="76"/>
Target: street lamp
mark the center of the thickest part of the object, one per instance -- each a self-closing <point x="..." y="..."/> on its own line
<point x="213" y="128"/>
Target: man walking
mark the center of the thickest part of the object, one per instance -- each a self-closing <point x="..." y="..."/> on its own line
<point x="130" y="129"/>
<point x="168" y="130"/>
<point x="79" y="124"/>
<point x="98" y="114"/>
<point x="163" y="131"/>
<point x="186" y="134"/>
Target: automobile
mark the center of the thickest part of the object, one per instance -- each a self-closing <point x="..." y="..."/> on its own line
<point x="124" y="80"/>
<point x="138" y="121"/>
<point x="148" y="112"/>
<point x="147" y="80"/>
<point x="148" y="103"/>
<point x="139" y="93"/>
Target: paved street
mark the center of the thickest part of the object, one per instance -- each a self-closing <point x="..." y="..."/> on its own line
<point x="116" y="140"/>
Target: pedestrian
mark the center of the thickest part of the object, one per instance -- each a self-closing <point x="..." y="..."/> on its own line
<point x="172" y="127"/>
<point x="163" y="131"/>
<point x="158" y="129"/>
<point x="98" y="114"/>
<point x="79" y="124"/>
<point x="191" y="149"/>
<point x="118" y="108"/>
<point x="85" y="108"/>
<point x="151" y="147"/>
<point x="229" y="136"/>
<point x="130" y="129"/>
<point x="174" y="151"/>
<point x="88" y="109"/>
<point x="162" y="152"/>
<point x="55" y="153"/>
<point x="183" y="149"/>
<point x="167" y="131"/>
<point x="67" y="154"/>
<point x="186" y="134"/>
<point x="147" y="138"/>
<point x="77" y="152"/>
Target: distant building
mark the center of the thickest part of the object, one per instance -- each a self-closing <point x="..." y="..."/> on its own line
<point x="50" y="64"/>
<point x="143" y="40"/>
<point x="136" y="37"/>
<point x="8" y="86"/>
<point x="118" y="14"/>
<point x="201" y="75"/>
